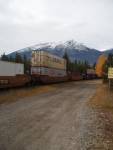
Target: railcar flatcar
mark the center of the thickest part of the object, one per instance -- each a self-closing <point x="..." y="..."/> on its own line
<point x="45" y="68"/>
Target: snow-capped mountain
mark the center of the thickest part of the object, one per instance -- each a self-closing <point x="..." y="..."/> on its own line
<point x="76" y="51"/>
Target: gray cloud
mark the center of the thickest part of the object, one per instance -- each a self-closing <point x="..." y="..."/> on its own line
<point x="25" y="22"/>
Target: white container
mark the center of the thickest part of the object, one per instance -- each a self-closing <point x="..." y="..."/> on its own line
<point x="90" y="71"/>
<point x="11" y="69"/>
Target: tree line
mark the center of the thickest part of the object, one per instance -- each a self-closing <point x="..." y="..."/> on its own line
<point x="72" y="67"/>
<point x="77" y="65"/>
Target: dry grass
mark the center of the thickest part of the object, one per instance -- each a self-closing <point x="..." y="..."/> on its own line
<point x="103" y="98"/>
<point x="17" y="94"/>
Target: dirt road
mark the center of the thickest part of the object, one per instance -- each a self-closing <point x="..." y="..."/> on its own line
<point x="59" y="119"/>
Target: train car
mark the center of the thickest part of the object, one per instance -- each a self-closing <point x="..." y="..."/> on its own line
<point x="12" y="75"/>
<point x="75" y="76"/>
<point x="47" y="68"/>
<point x="91" y="74"/>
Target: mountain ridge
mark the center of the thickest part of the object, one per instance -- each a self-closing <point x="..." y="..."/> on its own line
<point x="75" y="51"/>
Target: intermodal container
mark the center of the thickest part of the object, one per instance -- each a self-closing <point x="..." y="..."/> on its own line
<point x="91" y="71"/>
<point x="11" y="69"/>
<point x="52" y="72"/>
<point x="12" y="75"/>
<point x="45" y="59"/>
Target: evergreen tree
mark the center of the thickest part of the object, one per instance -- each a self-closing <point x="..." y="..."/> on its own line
<point x="27" y="65"/>
<point x="86" y="63"/>
<point x="110" y="60"/>
<point x="68" y="63"/>
<point x="4" y="57"/>
<point x="11" y="59"/>
<point x="108" y="63"/>
<point x="94" y="65"/>
<point x="18" y="58"/>
<point x="75" y="66"/>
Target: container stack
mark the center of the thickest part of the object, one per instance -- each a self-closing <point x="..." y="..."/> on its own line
<point x="48" y="66"/>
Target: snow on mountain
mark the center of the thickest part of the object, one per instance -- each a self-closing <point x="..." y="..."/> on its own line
<point x="76" y="51"/>
<point x="78" y="46"/>
<point x="52" y="45"/>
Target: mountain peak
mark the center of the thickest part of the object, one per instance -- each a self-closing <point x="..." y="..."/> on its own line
<point x="71" y="44"/>
<point x="74" y="49"/>
<point x="75" y="45"/>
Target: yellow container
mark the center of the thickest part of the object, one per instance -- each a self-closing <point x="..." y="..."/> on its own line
<point x="45" y="59"/>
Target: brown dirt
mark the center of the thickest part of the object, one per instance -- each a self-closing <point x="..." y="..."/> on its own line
<point x="48" y="121"/>
<point x="69" y="116"/>
<point x="17" y="94"/>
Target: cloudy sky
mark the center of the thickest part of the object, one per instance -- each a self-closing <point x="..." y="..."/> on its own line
<point x="27" y="22"/>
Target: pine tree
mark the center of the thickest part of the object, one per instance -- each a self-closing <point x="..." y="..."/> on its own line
<point x="75" y="66"/>
<point x="11" y="59"/>
<point x="27" y="64"/>
<point x="18" y="58"/>
<point x="68" y="63"/>
<point x="4" y="57"/>
<point x="110" y="60"/>
<point x="94" y="65"/>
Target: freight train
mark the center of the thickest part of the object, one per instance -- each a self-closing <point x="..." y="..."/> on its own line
<point x="45" y="68"/>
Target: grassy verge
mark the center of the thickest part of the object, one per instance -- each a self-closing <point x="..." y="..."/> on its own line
<point x="103" y="98"/>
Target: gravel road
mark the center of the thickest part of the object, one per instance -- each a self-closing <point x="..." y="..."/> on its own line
<point x="56" y="120"/>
